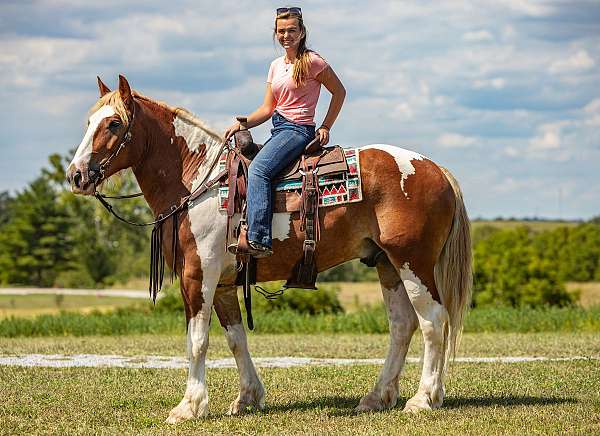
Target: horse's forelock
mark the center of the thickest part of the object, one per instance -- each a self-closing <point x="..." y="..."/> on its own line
<point x="114" y="100"/>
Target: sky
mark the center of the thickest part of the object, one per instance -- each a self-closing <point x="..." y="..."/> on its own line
<point x="505" y="94"/>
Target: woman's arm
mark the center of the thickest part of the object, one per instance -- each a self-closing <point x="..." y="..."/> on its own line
<point x="259" y="116"/>
<point x="338" y="93"/>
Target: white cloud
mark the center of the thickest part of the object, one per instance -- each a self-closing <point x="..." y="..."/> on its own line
<point x="455" y="140"/>
<point x="496" y="83"/>
<point x="548" y="138"/>
<point x="579" y="61"/>
<point x="593" y="106"/>
<point x="478" y="36"/>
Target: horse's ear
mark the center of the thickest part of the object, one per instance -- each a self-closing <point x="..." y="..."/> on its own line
<point x="102" y="87"/>
<point x="125" y="93"/>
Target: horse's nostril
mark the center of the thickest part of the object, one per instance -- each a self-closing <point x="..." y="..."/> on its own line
<point x="77" y="179"/>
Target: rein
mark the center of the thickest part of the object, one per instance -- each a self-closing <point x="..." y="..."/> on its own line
<point x="157" y="260"/>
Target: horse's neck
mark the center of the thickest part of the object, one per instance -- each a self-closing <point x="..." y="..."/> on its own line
<point x="180" y="157"/>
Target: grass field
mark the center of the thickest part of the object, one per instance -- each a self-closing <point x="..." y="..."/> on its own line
<point x="37" y="304"/>
<point x="526" y="398"/>
<point x="310" y="345"/>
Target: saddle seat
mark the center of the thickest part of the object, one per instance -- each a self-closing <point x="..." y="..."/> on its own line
<point x="304" y="172"/>
<point x="328" y="160"/>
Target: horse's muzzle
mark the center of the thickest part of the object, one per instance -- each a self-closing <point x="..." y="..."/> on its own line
<point x="81" y="182"/>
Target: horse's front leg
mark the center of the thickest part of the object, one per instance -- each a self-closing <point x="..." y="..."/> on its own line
<point x="252" y="391"/>
<point x="199" y="289"/>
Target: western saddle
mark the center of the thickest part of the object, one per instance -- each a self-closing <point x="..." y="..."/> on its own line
<point x="314" y="162"/>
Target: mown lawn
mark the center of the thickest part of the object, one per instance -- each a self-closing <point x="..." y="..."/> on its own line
<point x="481" y="398"/>
<point x="341" y="345"/>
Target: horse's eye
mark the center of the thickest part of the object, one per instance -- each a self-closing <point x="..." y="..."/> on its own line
<point x="114" y="124"/>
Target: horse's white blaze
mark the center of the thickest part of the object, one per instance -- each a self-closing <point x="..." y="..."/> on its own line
<point x="403" y="159"/>
<point x="84" y="151"/>
<point x="282" y="225"/>
<point x="433" y="320"/>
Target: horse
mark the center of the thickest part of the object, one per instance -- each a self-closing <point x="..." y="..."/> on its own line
<point x="412" y="216"/>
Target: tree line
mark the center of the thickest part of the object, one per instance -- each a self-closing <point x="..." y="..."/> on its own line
<point x="50" y="237"/>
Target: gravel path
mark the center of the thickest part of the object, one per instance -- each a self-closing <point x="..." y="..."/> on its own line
<point x="115" y="361"/>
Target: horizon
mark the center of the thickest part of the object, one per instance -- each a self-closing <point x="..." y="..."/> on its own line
<point x="505" y="95"/>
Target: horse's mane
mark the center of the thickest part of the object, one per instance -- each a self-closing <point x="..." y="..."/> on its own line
<point x="113" y="99"/>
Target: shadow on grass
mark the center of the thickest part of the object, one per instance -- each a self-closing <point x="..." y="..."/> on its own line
<point x="344" y="406"/>
<point x="509" y="400"/>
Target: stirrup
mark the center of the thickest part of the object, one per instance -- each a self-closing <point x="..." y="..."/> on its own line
<point x="254" y="249"/>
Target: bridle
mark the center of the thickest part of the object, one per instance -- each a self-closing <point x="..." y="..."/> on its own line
<point x="106" y="162"/>
<point x="157" y="261"/>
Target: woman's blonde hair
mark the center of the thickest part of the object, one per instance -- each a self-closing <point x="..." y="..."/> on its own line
<point x="302" y="63"/>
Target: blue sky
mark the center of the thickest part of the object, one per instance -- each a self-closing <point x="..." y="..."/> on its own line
<point x="505" y="94"/>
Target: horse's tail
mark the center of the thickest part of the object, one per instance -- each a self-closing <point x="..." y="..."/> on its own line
<point x="453" y="271"/>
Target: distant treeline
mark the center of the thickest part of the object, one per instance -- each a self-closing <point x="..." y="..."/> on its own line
<point x="50" y="237"/>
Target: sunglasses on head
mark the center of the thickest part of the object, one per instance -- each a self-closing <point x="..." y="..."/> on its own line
<point x="294" y="11"/>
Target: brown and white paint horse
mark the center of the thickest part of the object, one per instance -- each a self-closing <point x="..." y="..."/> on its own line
<point x="412" y="210"/>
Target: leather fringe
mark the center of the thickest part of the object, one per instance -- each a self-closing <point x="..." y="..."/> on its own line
<point x="174" y="239"/>
<point x="157" y="262"/>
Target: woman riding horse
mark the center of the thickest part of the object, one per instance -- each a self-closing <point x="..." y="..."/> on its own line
<point x="293" y="86"/>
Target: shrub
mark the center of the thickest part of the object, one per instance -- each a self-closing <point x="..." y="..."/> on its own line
<point x="509" y="270"/>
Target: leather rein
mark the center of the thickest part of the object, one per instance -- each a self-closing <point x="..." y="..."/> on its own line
<point x="157" y="261"/>
<point x="185" y="202"/>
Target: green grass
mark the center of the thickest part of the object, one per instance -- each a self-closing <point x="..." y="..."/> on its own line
<point x="369" y="320"/>
<point x="35" y="304"/>
<point x="309" y="345"/>
<point x="481" y="398"/>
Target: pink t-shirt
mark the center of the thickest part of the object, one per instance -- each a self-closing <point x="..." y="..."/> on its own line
<point x="297" y="104"/>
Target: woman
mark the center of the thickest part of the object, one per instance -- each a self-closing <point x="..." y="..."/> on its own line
<point x="293" y="86"/>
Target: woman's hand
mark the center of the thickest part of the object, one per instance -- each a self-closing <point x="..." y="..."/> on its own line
<point x="323" y="135"/>
<point x="235" y="127"/>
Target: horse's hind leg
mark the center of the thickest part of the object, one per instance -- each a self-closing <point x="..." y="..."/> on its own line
<point x="252" y="392"/>
<point x="403" y="322"/>
<point x="420" y="286"/>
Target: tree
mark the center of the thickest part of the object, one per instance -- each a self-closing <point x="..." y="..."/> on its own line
<point x="34" y="243"/>
<point x="511" y="269"/>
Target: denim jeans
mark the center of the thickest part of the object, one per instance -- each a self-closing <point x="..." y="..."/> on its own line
<point x="286" y="143"/>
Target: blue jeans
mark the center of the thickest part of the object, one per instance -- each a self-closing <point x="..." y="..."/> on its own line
<point x="286" y="143"/>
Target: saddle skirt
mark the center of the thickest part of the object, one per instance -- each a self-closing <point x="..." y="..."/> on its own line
<point x="339" y="182"/>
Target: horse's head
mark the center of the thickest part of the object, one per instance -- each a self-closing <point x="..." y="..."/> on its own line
<point x="108" y="145"/>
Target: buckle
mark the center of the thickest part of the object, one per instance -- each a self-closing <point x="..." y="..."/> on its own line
<point x="310" y="243"/>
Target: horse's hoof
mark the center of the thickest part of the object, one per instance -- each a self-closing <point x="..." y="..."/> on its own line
<point x="240" y="406"/>
<point x="418" y="403"/>
<point x="375" y="401"/>
<point x="183" y="412"/>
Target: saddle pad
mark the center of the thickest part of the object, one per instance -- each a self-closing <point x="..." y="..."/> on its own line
<point x="334" y="189"/>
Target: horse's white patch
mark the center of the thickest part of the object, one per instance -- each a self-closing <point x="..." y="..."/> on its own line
<point x="282" y="225"/>
<point x="84" y="151"/>
<point x="417" y="291"/>
<point x="433" y="320"/>
<point x="195" y="136"/>
<point x="403" y="159"/>
<point x="208" y="226"/>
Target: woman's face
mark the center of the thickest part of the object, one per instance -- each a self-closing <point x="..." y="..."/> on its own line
<point x="289" y="33"/>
